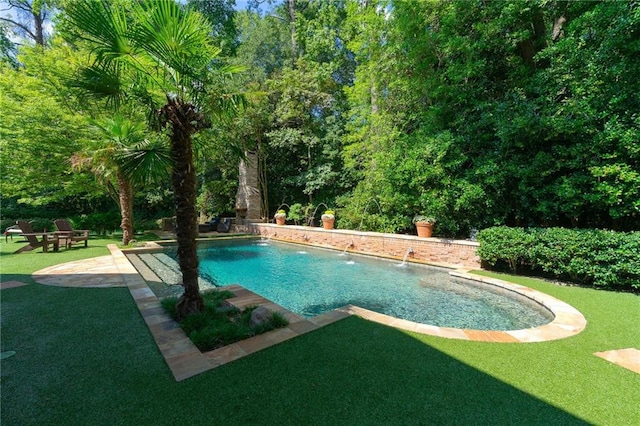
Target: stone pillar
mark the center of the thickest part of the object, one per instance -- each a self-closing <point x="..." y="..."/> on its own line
<point x="248" y="195"/>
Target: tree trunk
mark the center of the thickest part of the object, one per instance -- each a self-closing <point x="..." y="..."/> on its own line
<point x="291" y="10"/>
<point x="125" y="199"/>
<point x="182" y="118"/>
<point x="38" y="21"/>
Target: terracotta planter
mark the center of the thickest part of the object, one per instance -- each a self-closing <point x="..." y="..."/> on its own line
<point x="281" y="220"/>
<point x="328" y="223"/>
<point x="425" y="229"/>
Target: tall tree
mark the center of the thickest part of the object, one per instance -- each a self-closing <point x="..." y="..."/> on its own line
<point x="123" y="159"/>
<point x="161" y="55"/>
<point x="305" y="99"/>
<point x="221" y="14"/>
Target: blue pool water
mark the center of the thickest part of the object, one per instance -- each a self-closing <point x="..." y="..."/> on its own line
<point x="312" y="281"/>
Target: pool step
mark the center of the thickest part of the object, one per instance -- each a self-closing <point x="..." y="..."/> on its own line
<point x="167" y="273"/>
<point x="147" y="274"/>
<point x="161" y="268"/>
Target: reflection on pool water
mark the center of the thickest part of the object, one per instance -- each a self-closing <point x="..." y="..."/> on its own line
<point x="312" y="281"/>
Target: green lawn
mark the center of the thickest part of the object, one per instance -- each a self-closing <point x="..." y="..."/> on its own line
<point x="85" y="356"/>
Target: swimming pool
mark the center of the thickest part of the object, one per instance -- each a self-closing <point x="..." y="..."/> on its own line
<point x="311" y="281"/>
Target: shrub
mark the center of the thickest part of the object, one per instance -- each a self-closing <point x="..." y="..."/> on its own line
<point x="587" y="256"/>
<point x="146" y="224"/>
<point x="296" y="213"/>
<point x="220" y="324"/>
<point x="5" y="223"/>
<point x="100" y="223"/>
<point x="505" y="245"/>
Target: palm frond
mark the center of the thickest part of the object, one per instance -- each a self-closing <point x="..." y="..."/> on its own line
<point x="104" y="81"/>
<point x="232" y="69"/>
<point x="177" y="40"/>
<point x="226" y="106"/>
<point x="103" y="24"/>
<point x="146" y="161"/>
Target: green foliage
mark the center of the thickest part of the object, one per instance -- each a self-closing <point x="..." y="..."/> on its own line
<point x="38" y="132"/>
<point x="146" y="225"/>
<point x="511" y="113"/>
<point x="519" y="113"/>
<point x="297" y="213"/>
<point x="8" y="50"/>
<point x="5" y="223"/>
<point x="505" y="244"/>
<point x="220" y="324"/>
<point x="39" y="224"/>
<point x="221" y="15"/>
<point x="100" y="223"/>
<point x="595" y="257"/>
<point x="217" y="161"/>
<point x="304" y="141"/>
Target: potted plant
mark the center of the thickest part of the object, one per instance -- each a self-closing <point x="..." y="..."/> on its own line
<point x="424" y="225"/>
<point x="328" y="219"/>
<point x="280" y="217"/>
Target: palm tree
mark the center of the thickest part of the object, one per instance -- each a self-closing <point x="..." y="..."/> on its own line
<point x="159" y="54"/>
<point x="122" y="160"/>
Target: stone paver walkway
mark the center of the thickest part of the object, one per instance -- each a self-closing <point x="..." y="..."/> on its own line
<point x="628" y="358"/>
<point x="100" y="271"/>
<point x="185" y="360"/>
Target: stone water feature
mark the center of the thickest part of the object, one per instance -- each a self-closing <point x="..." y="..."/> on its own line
<point x="248" y="198"/>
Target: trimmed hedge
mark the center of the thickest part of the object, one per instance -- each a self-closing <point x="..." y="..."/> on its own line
<point x="586" y="256"/>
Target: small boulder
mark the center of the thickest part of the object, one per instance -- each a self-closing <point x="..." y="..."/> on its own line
<point x="260" y="316"/>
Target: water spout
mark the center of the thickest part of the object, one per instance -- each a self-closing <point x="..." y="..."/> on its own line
<point x="366" y="206"/>
<point x="311" y="219"/>
<point x="264" y="240"/>
<point x="406" y="255"/>
<point x="344" y="252"/>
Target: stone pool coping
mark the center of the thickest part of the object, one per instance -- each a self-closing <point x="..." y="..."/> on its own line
<point x="567" y="320"/>
<point x="185" y="360"/>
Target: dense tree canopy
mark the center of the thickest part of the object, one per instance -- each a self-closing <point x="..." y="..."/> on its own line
<point x="516" y="112"/>
<point x="513" y="112"/>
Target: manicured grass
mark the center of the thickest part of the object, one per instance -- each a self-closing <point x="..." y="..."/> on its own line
<point x="85" y="356"/>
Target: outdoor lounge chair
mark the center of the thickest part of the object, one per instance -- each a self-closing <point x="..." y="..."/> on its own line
<point x="66" y="232"/>
<point x="32" y="238"/>
<point x="210" y="226"/>
<point x="11" y="231"/>
<point x="224" y="225"/>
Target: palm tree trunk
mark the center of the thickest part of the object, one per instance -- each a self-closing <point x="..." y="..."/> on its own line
<point x="181" y="118"/>
<point x="125" y="199"/>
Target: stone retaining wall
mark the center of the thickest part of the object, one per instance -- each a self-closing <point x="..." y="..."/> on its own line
<point x="436" y="251"/>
